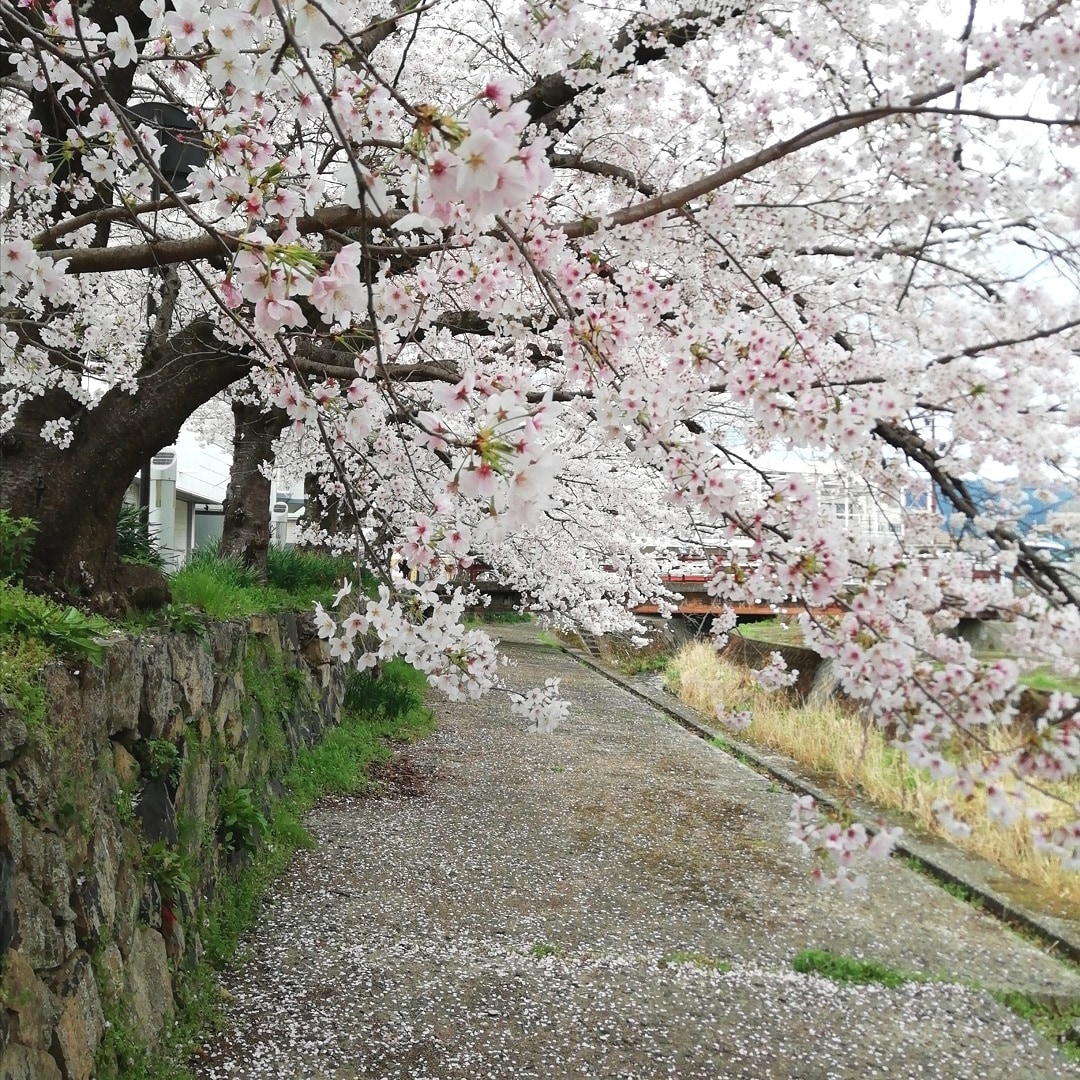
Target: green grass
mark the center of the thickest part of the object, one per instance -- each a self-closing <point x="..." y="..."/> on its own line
<point x="644" y="664"/>
<point x="300" y="572"/>
<point x="504" y="618"/>
<point x="1049" y="683"/>
<point x="1055" y="1020"/>
<point x="849" y="971"/>
<point x="21" y="661"/>
<point x="1059" y="1023"/>
<point x="33" y="631"/>
<point x="225" y="589"/>
<point x="544" y="949"/>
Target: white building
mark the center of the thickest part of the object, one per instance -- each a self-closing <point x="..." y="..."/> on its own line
<point x="188" y="481"/>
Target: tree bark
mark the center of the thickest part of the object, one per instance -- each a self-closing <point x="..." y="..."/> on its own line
<point x="246" y="532"/>
<point x="75" y="494"/>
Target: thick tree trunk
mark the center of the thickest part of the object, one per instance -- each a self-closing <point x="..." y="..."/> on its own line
<point x="75" y="494"/>
<point x="247" y="501"/>
<point x="331" y="513"/>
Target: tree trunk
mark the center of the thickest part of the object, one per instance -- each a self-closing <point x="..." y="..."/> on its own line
<point x="75" y="494"/>
<point x="247" y="500"/>
<point x="331" y="513"/>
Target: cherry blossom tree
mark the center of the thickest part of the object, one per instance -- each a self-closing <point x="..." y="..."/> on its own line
<point x="539" y="282"/>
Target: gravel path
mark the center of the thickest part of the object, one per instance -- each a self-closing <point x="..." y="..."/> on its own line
<point x="613" y="900"/>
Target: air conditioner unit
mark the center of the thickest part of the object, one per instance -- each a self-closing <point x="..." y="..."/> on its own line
<point x="279" y="522"/>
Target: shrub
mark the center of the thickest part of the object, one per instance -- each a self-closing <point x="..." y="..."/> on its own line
<point x="16" y="542"/>
<point x="389" y="692"/>
<point x="161" y="759"/>
<point x="240" y="821"/>
<point x="168" y="869"/>
<point x="63" y="629"/>
<point x="134" y="544"/>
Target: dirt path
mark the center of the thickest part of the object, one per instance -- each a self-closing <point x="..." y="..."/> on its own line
<point x="613" y="900"/>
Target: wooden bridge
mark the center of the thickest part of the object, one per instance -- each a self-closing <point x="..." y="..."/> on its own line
<point x="690" y="591"/>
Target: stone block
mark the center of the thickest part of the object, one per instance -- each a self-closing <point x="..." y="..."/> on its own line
<point x="10" y="822"/>
<point x="192" y="672"/>
<point x="33" y="1009"/>
<point x="127" y="768"/>
<point x="123" y="684"/>
<point x="129" y="886"/>
<point x="9" y="926"/>
<point x="21" y="1063"/>
<point x="81" y="1023"/>
<point x="41" y="941"/>
<point x="290" y="635"/>
<point x="93" y="717"/>
<point x="31" y="785"/>
<point x="111" y="966"/>
<point x="13" y="734"/>
<point x="227" y="697"/>
<point x="156" y="812"/>
<point x="147" y="982"/>
<point x="193" y="793"/>
<point x="266" y="627"/>
<point x="46" y="864"/>
<point x="157" y="705"/>
<point x="227" y="644"/>
<point x="94" y="896"/>
<point x="62" y="695"/>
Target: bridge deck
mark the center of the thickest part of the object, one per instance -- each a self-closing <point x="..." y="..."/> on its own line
<point x="690" y="588"/>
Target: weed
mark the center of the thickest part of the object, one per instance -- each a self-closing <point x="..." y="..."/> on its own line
<point x="226" y="589"/>
<point x="21" y="661"/>
<point x="775" y="631"/>
<point x="1057" y="1021"/>
<point x="836" y="743"/>
<point x="296" y="571"/>
<point x="845" y="969"/>
<point x="389" y="692"/>
<point x="645" y="664"/>
<point x="962" y="892"/>
<point x="694" y="959"/>
<point x="125" y="804"/>
<point x="543" y="949"/>
<point x="65" y="630"/>
<point x="183" y="619"/>
<point x="16" y="543"/>
<point x="160" y="759"/>
<point x="240" y="821"/>
<point x="134" y="543"/>
<point x="502" y="618"/>
<point x="168" y="869"/>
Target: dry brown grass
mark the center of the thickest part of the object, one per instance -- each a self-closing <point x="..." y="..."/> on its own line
<point x="834" y="743"/>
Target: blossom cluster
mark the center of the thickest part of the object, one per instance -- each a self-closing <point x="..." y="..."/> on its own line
<point x="836" y="846"/>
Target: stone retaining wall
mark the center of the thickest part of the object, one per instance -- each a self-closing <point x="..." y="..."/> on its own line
<point x="815" y="681"/>
<point x="122" y="784"/>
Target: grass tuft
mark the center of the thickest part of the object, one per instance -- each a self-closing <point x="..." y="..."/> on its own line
<point x="848" y="971"/>
<point x="226" y="589"/>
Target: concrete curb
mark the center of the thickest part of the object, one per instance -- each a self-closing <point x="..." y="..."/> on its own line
<point x="937" y="858"/>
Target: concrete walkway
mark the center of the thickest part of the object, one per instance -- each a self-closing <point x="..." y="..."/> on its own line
<point x="613" y="900"/>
